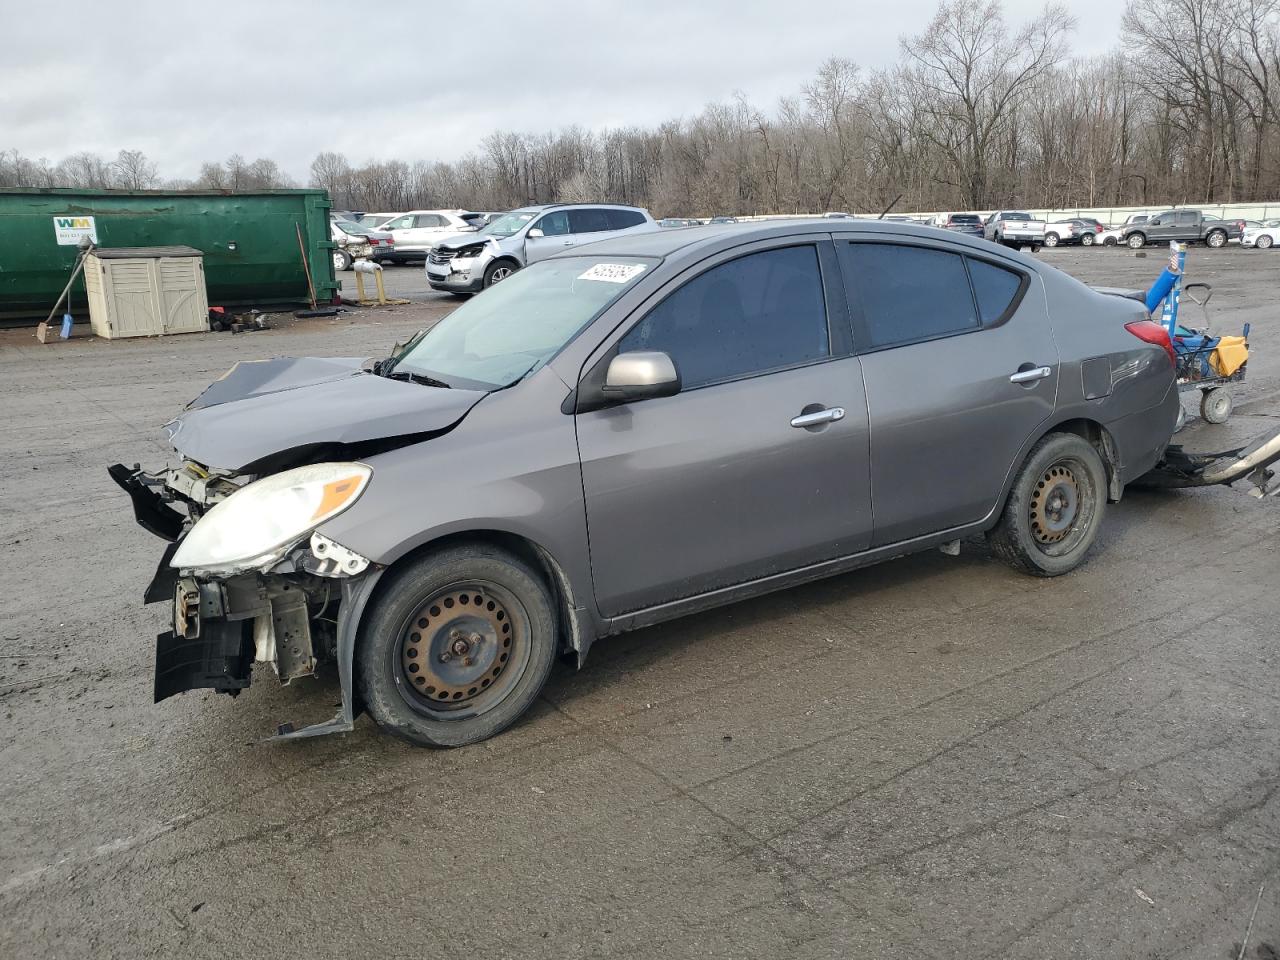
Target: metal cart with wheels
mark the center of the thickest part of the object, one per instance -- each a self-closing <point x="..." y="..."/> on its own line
<point x="1196" y="366"/>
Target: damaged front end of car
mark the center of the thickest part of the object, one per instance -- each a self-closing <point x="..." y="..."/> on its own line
<point x="249" y="578"/>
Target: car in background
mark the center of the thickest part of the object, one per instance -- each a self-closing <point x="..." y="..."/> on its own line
<point x="417" y="232"/>
<point x="1264" y="236"/>
<point x="1092" y="230"/>
<point x="1183" y="226"/>
<point x="1014" y="228"/>
<point x="723" y="220"/>
<point x="1074" y="230"/>
<point x="467" y="264"/>
<point x="647" y="427"/>
<point x="376" y="219"/>
<point x="969" y="224"/>
<point x="1111" y="236"/>
<point x="679" y="222"/>
<point x="355" y="241"/>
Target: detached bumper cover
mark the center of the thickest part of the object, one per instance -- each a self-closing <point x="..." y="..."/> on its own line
<point x="150" y="510"/>
<point x="220" y="658"/>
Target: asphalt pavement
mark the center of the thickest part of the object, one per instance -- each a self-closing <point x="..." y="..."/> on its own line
<point x="935" y="757"/>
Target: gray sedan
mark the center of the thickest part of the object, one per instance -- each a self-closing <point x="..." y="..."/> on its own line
<point x="636" y="430"/>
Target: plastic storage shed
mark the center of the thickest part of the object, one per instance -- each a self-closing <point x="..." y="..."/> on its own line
<point x="146" y="291"/>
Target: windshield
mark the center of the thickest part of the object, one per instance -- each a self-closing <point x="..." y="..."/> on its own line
<point x="514" y="327"/>
<point x="347" y="226"/>
<point x="508" y="224"/>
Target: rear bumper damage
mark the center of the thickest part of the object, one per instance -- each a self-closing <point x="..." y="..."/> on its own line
<point x="300" y="612"/>
<point x="1253" y="463"/>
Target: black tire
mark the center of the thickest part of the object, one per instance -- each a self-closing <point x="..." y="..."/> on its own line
<point x="1110" y="242"/>
<point x="1054" y="509"/>
<point x="1136" y="241"/>
<point x="1035" y="248"/>
<point x="1216" y="238"/>
<point x="422" y="612"/>
<point x="341" y="260"/>
<point x="498" y="271"/>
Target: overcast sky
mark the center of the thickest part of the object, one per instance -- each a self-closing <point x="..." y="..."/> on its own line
<point x="285" y="79"/>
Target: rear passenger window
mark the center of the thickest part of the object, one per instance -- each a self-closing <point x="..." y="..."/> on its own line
<point x="621" y="219"/>
<point x="994" y="287"/>
<point x="908" y="293"/>
<point x="764" y="311"/>
<point x="588" y="220"/>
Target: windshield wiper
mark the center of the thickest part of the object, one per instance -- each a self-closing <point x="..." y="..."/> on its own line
<point x="421" y="378"/>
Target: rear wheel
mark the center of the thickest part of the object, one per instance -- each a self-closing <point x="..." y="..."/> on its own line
<point x="456" y="647"/>
<point x="1055" y="508"/>
<point x="1216" y="238"/>
<point x="1051" y="239"/>
<point x="1109" y="242"/>
<point x="1086" y="240"/>
<point x="341" y="260"/>
<point x="1136" y="241"/>
<point x="1215" y="405"/>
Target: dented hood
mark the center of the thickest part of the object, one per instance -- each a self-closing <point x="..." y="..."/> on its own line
<point x="264" y="409"/>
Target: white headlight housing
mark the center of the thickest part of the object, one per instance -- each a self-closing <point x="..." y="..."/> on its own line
<point x="255" y="526"/>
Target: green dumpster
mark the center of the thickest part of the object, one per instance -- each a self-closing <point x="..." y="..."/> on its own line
<point x="249" y="242"/>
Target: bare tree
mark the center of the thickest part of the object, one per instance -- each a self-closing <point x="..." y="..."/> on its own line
<point x="133" y="171"/>
<point x="973" y="75"/>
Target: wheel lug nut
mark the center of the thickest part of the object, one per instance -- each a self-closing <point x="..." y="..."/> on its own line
<point x="444" y="657"/>
<point x="467" y="661"/>
<point x="476" y="638"/>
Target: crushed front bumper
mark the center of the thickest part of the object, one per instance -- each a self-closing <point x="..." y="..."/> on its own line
<point x="301" y="612"/>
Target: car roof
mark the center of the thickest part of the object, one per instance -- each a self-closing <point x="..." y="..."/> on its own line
<point x="710" y="238"/>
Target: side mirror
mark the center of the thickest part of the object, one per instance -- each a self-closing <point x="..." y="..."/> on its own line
<point x="638" y="375"/>
<point x="534" y="233"/>
<point x="1154" y="223"/>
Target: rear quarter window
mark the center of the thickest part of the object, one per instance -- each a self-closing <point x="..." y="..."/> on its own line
<point x="995" y="288"/>
<point x="621" y="219"/>
<point x="908" y="293"/>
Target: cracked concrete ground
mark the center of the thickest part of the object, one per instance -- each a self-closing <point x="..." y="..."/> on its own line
<point x="935" y="757"/>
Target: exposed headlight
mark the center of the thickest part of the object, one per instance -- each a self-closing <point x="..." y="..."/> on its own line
<point x="259" y="523"/>
<point x="466" y="253"/>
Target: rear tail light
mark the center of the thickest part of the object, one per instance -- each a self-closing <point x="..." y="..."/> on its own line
<point x="1151" y="332"/>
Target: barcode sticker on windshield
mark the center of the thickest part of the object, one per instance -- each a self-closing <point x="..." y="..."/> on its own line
<point x="613" y="272"/>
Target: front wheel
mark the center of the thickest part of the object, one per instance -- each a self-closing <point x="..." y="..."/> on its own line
<point x="1216" y="238"/>
<point x="1050" y="239"/>
<point x="1263" y="242"/>
<point x="1136" y="241"/>
<point x="498" y="271"/>
<point x="1109" y="242"/>
<point x="1086" y="240"/>
<point x="1055" y="508"/>
<point x="456" y="646"/>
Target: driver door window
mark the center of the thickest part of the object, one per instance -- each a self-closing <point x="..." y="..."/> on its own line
<point x="555" y="224"/>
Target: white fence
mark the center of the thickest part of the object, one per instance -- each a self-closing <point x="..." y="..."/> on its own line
<point x="1269" y="210"/>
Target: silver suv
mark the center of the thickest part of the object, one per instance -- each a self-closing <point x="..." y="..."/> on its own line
<point x="472" y="262"/>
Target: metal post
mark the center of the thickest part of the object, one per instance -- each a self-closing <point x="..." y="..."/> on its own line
<point x="1169" y="313"/>
<point x="382" y="291"/>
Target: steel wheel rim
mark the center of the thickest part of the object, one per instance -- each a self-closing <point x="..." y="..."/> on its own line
<point x="1062" y="507"/>
<point x="456" y="658"/>
<point x="1219" y="405"/>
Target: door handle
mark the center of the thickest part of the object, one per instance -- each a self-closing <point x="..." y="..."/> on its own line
<point x="821" y="416"/>
<point x="1032" y="375"/>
